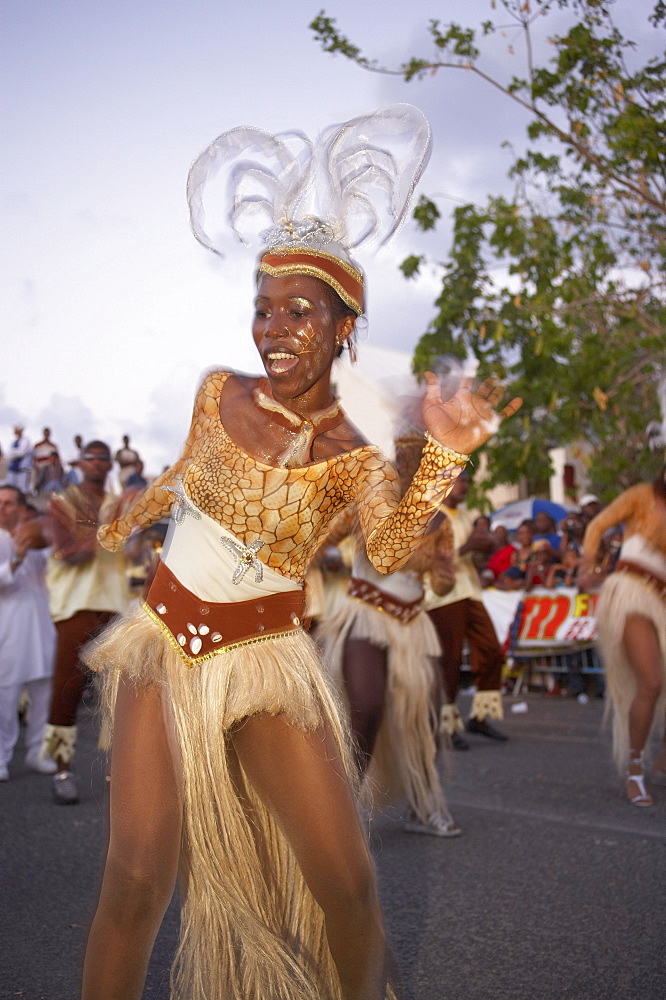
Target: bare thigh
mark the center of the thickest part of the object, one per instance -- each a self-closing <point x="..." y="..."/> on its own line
<point x="641" y="644"/>
<point x="144" y="847"/>
<point x="300" y="777"/>
<point x="146" y="799"/>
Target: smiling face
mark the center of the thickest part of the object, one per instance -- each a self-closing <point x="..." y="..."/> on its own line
<point x="297" y="336"/>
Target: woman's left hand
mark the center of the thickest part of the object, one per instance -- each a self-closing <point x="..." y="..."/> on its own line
<point x="469" y="418"/>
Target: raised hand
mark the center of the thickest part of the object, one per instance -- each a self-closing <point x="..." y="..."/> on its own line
<point x="469" y="418"/>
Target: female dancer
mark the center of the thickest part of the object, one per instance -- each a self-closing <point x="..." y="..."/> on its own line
<point x="229" y="763"/>
<point x="632" y="625"/>
<point x="380" y="648"/>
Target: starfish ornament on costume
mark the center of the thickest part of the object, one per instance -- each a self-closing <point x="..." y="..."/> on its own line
<point x="181" y="504"/>
<point x="247" y="559"/>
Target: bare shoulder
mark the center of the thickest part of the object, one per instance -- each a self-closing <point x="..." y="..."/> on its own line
<point x="347" y="436"/>
<point x="238" y="385"/>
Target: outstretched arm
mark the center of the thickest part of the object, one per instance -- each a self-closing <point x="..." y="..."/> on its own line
<point x="621" y="509"/>
<point x="156" y="502"/>
<point x="436" y="545"/>
<point x="393" y="528"/>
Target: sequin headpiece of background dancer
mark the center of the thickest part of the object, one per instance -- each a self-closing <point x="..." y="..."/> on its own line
<point x="310" y="203"/>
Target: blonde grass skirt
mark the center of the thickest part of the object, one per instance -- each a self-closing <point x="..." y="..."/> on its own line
<point x="250" y="929"/>
<point x="404" y="762"/>
<point x="623" y="594"/>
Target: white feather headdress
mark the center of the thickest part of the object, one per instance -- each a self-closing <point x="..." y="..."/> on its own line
<point x="350" y="187"/>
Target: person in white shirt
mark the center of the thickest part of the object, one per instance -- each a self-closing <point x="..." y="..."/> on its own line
<point x="19" y="469"/>
<point x="27" y="635"/>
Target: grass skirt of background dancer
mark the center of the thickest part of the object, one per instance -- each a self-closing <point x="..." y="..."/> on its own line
<point x="623" y="594"/>
<point x="404" y="759"/>
<point x="250" y="929"/>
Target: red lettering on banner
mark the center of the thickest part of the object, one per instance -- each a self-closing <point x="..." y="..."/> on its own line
<point x="543" y="615"/>
<point x="560" y="612"/>
<point x="539" y="610"/>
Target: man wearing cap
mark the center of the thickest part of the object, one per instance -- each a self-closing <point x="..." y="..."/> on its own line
<point x="590" y="505"/>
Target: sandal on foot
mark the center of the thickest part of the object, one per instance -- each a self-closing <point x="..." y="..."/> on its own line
<point x="637" y="793"/>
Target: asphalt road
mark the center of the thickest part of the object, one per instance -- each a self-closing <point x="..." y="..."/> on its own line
<point x="555" y="890"/>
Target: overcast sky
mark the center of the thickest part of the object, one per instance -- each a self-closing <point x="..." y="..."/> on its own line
<point x="109" y="309"/>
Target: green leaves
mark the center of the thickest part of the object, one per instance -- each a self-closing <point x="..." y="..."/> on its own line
<point x="561" y="290"/>
<point x="426" y="213"/>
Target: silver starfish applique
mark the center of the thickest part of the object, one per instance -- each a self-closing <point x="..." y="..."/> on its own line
<point x="181" y="504"/>
<point x="247" y="559"/>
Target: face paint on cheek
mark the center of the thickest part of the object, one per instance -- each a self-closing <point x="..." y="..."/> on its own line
<point x="314" y="344"/>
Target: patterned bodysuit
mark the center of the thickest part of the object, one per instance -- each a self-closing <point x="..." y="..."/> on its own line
<point x="290" y="510"/>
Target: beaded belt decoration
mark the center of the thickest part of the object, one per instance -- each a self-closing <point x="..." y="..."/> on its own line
<point x="200" y="629"/>
<point x="402" y="611"/>
<point x="653" y="583"/>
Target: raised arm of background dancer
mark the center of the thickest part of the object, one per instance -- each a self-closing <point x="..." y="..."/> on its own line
<point x="621" y="509"/>
<point x="157" y="500"/>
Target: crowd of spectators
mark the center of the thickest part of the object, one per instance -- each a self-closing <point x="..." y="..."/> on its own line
<point x="541" y="552"/>
<point x="40" y="469"/>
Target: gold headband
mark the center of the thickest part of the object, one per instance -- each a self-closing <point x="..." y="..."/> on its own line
<point x="344" y="279"/>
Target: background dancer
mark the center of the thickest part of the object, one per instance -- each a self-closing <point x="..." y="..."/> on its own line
<point x="381" y="649"/>
<point x="227" y="743"/>
<point x="87" y="587"/>
<point x="631" y="617"/>
<point x="459" y="615"/>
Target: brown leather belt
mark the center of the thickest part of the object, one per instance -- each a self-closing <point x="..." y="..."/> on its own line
<point x="200" y="629"/>
<point x="654" y="583"/>
<point x="402" y="611"/>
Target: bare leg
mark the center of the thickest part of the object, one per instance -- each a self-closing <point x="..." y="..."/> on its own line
<point x="144" y="847"/>
<point x="642" y="648"/>
<point x="364" y="671"/>
<point x="641" y="645"/>
<point x="316" y="812"/>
